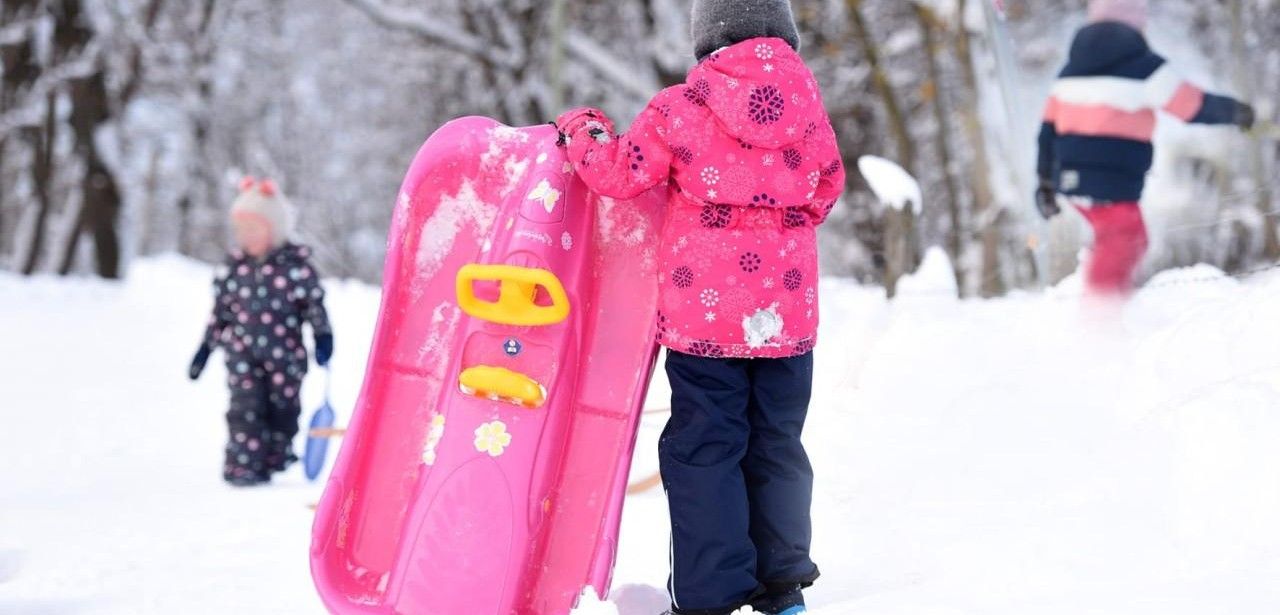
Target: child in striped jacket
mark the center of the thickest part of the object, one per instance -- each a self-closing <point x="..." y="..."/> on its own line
<point x="1095" y="142"/>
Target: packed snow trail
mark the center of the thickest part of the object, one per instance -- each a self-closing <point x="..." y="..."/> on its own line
<point x="1008" y="457"/>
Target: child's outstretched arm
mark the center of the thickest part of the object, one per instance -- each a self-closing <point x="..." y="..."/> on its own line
<point x="1168" y="91"/>
<point x="219" y="320"/>
<point x="621" y="166"/>
<point x="310" y="300"/>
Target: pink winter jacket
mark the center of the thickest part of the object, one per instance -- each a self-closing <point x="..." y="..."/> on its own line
<point x="756" y="169"/>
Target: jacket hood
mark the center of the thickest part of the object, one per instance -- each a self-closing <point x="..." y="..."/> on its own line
<point x="766" y="96"/>
<point x="1106" y="44"/>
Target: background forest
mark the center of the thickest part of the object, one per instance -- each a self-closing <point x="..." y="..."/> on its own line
<point x="125" y="124"/>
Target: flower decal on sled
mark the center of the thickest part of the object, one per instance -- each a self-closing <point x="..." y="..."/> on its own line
<point x="434" y="436"/>
<point x="492" y="438"/>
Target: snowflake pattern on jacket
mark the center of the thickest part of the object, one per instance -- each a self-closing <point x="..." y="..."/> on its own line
<point x="260" y="306"/>
<point x="753" y="168"/>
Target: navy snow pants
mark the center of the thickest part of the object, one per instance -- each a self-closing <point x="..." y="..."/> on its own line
<point x="262" y="420"/>
<point x="738" y="480"/>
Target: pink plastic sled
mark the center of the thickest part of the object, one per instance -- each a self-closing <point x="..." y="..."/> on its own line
<point x="486" y="463"/>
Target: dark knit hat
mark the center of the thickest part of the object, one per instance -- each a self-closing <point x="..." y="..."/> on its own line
<point x="722" y="23"/>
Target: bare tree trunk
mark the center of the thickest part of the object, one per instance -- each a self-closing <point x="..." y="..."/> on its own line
<point x="42" y="141"/>
<point x="1257" y="162"/>
<point x="942" y="142"/>
<point x="17" y="72"/>
<point x="4" y="204"/>
<point x="73" y="243"/>
<point x="100" y="203"/>
<point x="137" y="68"/>
<point x="103" y="218"/>
<point x="147" y="209"/>
<point x="987" y="213"/>
<point x="897" y="119"/>
<point x="668" y="74"/>
<point x="185" y="244"/>
<point x="900" y="234"/>
<point x="555" y="56"/>
<point x="98" y="216"/>
<point x="202" y="189"/>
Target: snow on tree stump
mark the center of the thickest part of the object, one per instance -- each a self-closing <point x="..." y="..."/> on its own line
<point x="903" y="202"/>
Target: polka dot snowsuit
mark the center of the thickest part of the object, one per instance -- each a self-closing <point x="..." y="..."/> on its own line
<point x="259" y="309"/>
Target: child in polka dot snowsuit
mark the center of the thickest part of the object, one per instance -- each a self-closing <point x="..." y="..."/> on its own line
<point x="753" y="167"/>
<point x="264" y="294"/>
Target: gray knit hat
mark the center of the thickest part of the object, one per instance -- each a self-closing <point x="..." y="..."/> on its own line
<point x="722" y="23"/>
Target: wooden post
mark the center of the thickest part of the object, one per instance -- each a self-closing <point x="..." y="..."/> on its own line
<point x="900" y="245"/>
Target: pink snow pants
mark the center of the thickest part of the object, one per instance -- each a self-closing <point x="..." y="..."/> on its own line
<point x="1120" y="242"/>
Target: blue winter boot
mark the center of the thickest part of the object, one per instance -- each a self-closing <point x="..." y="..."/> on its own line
<point x="785" y="600"/>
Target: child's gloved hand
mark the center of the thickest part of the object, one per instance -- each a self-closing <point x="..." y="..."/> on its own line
<point x="592" y="121"/>
<point x="561" y="138"/>
<point x="324" y="349"/>
<point x="198" y="363"/>
<point x="1047" y="200"/>
<point x="1245" y="116"/>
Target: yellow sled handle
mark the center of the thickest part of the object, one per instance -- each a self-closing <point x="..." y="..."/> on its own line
<point x="518" y="288"/>
<point x="502" y="384"/>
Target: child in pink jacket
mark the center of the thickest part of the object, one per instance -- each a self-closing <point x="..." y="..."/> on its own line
<point x="752" y="166"/>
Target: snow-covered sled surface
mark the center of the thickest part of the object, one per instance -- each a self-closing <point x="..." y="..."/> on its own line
<point x="979" y="458"/>
<point x="487" y="457"/>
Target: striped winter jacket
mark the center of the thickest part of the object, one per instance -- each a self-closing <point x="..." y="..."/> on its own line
<point x="1096" y="138"/>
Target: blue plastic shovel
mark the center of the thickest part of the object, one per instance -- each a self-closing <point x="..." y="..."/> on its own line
<point x="313" y="457"/>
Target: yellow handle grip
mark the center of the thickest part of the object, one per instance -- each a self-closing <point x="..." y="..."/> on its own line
<point x="502" y="384"/>
<point x="515" y="305"/>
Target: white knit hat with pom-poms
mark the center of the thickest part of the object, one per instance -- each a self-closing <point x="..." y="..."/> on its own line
<point x="1131" y="12"/>
<point x="263" y="198"/>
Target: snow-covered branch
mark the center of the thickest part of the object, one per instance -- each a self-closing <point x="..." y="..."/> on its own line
<point x="441" y="34"/>
<point x="580" y="47"/>
<point x="28" y="113"/>
<point x="14" y="31"/>
<point x="639" y="83"/>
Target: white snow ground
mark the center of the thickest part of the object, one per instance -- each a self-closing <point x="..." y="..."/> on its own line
<point x="1010" y="457"/>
